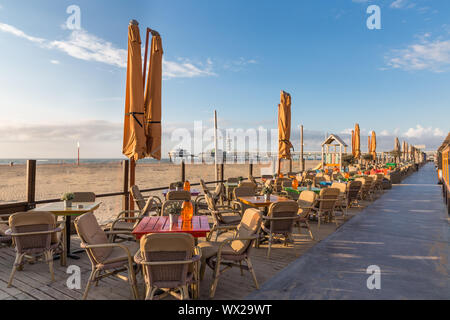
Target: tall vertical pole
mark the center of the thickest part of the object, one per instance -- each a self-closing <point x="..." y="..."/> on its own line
<point x="132" y="177"/>
<point x="216" y="156"/>
<point x="183" y="171"/>
<point x="301" y="150"/>
<point x="125" y="190"/>
<point x="78" y="147"/>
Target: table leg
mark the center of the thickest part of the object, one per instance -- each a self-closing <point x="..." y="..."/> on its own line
<point x="70" y="254"/>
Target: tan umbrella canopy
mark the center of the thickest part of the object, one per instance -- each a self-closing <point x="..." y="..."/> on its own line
<point x="373" y="146"/>
<point x="397" y="146"/>
<point x="134" y="140"/>
<point x="284" y="127"/>
<point x="353" y="143"/>
<point x="152" y="102"/>
<point x="357" y="142"/>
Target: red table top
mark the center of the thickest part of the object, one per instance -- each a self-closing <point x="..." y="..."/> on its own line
<point x="198" y="228"/>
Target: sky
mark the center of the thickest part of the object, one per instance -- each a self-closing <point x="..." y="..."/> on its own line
<point x="59" y="86"/>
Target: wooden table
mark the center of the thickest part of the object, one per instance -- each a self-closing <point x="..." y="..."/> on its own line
<point x="58" y="209"/>
<point x="198" y="228"/>
<point x="260" y="202"/>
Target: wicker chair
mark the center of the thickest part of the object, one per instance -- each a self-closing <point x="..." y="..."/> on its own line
<point x="257" y="184"/>
<point x="342" y="202"/>
<point x="280" y="220"/>
<point x="354" y="188"/>
<point x="175" y="198"/>
<point x="169" y="263"/>
<point x="306" y="202"/>
<point x="125" y="222"/>
<point x="326" y="204"/>
<point x="232" y="252"/>
<point x="83" y="197"/>
<point x="243" y="192"/>
<point x="248" y="184"/>
<point x="107" y="258"/>
<point x="366" y="189"/>
<point x="223" y="223"/>
<point x="35" y="235"/>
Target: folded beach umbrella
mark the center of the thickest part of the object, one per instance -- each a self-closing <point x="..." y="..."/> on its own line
<point x="373" y="145"/>
<point x="353" y="143"/>
<point x="284" y="126"/>
<point x="397" y="145"/>
<point x="152" y="104"/>
<point x="357" y="142"/>
<point x="134" y="131"/>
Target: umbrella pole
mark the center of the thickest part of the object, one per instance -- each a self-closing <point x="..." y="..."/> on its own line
<point x="132" y="178"/>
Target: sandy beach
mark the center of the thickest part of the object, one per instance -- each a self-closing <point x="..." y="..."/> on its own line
<point x="52" y="180"/>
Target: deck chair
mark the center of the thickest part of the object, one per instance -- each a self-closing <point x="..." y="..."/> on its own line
<point x="225" y="218"/>
<point x="35" y="236"/>
<point x="326" y="203"/>
<point x="169" y="262"/>
<point x="232" y="252"/>
<point x="306" y="202"/>
<point x="280" y="220"/>
<point x="107" y="258"/>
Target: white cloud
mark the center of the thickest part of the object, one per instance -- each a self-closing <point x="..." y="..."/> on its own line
<point x="425" y="55"/>
<point x="85" y="46"/>
<point x="384" y="133"/>
<point x="347" y="131"/>
<point x="54" y="61"/>
<point x="420" y="132"/>
<point x="397" y="4"/>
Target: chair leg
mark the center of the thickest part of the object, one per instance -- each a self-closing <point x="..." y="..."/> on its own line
<point x="215" y="279"/>
<point x="49" y="258"/>
<point x="17" y="262"/>
<point x="270" y="245"/>
<point x="152" y="293"/>
<point x="92" y="277"/>
<point x="309" y="230"/>
<point x="132" y="280"/>
<point x="202" y="270"/>
<point x="252" y="271"/>
<point x="240" y="267"/>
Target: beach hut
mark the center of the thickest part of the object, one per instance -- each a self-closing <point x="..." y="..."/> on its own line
<point x="284" y="129"/>
<point x="332" y="150"/>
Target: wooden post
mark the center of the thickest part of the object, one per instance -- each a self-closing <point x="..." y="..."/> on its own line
<point x="250" y="169"/>
<point x="216" y="164"/>
<point x="125" y="199"/>
<point x="183" y="171"/>
<point x="31" y="184"/>
<point x="132" y="177"/>
<point x="222" y="169"/>
<point x="290" y="165"/>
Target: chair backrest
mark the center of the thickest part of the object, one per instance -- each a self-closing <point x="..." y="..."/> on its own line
<point x="248" y="227"/>
<point x="173" y="185"/>
<point x="282" y="209"/>
<point x="167" y="247"/>
<point x="340" y="185"/>
<point x="248" y="184"/>
<point x="83" y="197"/>
<point x="137" y="196"/>
<point x="23" y="222"/>
<point x="243" y="192"/>
<point x="326" y="198"/>
<point x="178" y="195"/>
<point x="204" y="187"/>
<point x="252" y="179"/>
<point x="91" y="233"/>
<point x="353" y="190"/>
<point x="307" y="198"/>
<point x="267" y="177"/>
<point x="317" y="180"/>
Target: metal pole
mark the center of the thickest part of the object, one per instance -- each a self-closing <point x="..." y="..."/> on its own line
<point x="31" y="183"/>
<point x="301" y="149"/>
<point x="215" y="146"/>
<point x="78" y="147"/>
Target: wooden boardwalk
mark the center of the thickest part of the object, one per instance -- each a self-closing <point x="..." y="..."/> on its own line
<point x="33" y="283"/>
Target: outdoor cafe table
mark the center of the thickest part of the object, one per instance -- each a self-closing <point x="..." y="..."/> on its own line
<point x="194" y="192"/>
<point x="198" y="228"/>
<point x="58" y="209"/>
<point x="261" y="202"/>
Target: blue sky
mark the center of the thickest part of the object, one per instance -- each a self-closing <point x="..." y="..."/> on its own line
<point x="58" y="86"/>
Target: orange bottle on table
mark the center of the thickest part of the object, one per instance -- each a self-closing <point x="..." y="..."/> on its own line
<point x="187" y="186"/>
<point x="187" y="211"/>
<point x="294" y="184"/>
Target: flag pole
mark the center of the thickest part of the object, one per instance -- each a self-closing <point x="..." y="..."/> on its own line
<point x="78" y="147"/>
<point x="215" y="146"/>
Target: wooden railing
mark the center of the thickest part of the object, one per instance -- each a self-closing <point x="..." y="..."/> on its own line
<point x="31" y="202"/>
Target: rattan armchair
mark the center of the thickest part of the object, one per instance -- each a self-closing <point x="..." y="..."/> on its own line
<point x="225" y="218"/>
<point x="326" y="204"/>
<point x="107" y="258"/>
<point x="170" y="263"/>
<point x="35" y="236"/>
<point x="234" y="251"/>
